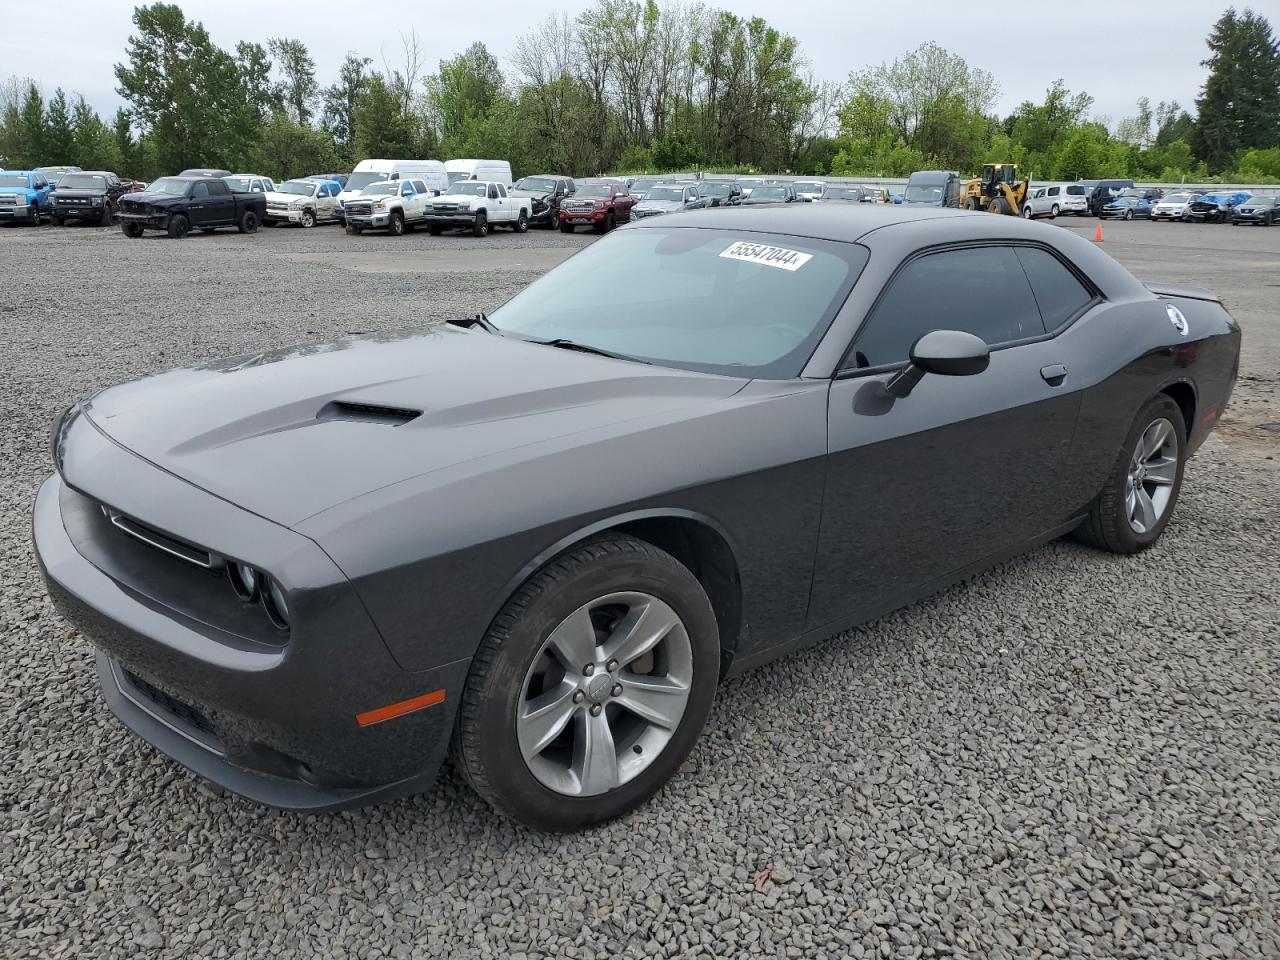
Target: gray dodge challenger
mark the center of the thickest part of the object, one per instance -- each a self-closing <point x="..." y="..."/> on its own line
<point x="537" y="540"/>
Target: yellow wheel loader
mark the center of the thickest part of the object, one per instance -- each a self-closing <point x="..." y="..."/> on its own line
<point x="998" y="190"/>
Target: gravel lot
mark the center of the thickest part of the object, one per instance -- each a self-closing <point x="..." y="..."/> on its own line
<point x="1074" y="755"/>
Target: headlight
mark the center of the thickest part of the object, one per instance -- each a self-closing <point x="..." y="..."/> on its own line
<point x="245" y="581"/>
<point x="380" y="205"/>
<point x="465" y="205"/>
<point x="59" y="432"/>
<point x="276" y="607"/>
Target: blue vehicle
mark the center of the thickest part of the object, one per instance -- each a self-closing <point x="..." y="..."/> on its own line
<point x="24" y="196"/>
<point x="338" y="178"/>
<point x="1127" y="207"/>
<point x="1214" y="207"/>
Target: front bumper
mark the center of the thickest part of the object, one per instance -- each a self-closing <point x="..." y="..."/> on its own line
<point x="598" y="215"/>
<point x="287" y="215"/>
<point x="77" y="210"/>
<point x="14" y="211"/>
<point x="148" y="221"/>
<point x="1238" y="217"/>
<point x="370" y="221"/>
<point x="453" y="220"/>
<point x="276" y="724"/>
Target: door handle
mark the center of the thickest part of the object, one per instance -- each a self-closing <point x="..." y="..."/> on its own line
<point x="1054" y="374"/>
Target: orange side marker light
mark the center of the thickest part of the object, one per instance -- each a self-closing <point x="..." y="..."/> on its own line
<point x="393" y="710"/>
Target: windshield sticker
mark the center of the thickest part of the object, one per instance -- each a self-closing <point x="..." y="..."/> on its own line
<point x="768" y="256"/>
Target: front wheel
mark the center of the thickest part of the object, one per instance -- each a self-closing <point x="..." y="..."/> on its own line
<point x="481" y="226"/>
<point x="395" y="226"/>
<point x="566" y="227"/>
<point x="554" y="221"/>
<point x="1027" y="213"/>
<point x="1128" y="214"/>
<point x="33" y="215"/>
<point x="434" y="230"/>
<point x="179" y="226"/>
<point x="131" y="230"/>
<point x="248" y="222"/>
<point x="1139" y="496"/>
<point x="308" y="218"/>
<point x="591" y="687"/>
<point x="58" y="221"/>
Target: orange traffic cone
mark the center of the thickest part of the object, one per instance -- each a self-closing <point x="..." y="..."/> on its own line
<point x="1097" y="234"/>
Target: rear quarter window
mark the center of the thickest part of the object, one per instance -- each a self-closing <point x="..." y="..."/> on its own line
<point x="1059" y="293"/>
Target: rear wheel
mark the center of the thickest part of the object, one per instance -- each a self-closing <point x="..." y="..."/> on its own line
<point x="248" y="222"/>
<point x="179" y="226"/>
<point x="1053" y="212"/>
<point x="1141" y="492"/>
<point x="999" y="205"/>
<point x="522" y="223"/>
<point x="591" y="687"/>
<point x="481" y="226"/>
<point x="971" y="204"/>
<point x="395" y="226"/>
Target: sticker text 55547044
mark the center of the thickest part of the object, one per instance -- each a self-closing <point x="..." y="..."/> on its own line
<point x="766" y="255"/>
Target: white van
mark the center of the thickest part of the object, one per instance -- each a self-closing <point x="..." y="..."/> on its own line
<point x="498" y="171"/>
<point x="431" y="172"/>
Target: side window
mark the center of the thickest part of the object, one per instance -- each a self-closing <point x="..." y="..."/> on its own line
<point x="200" y="190"/>
<point x="406" y="189"/>
<point x="258" y="187"/>
<point x="981" y="290"/>
<point x="419" y="186"/>
<point x="1058" y="292"/>
<point x="1053" y="191"/>
<point x="502" y="191"/>
<point x="493" y="192"/>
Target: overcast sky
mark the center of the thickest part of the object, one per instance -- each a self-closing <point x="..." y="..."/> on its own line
<point x="1116" y="51"/>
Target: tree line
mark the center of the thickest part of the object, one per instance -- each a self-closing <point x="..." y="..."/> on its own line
<point x="631" y="85"/>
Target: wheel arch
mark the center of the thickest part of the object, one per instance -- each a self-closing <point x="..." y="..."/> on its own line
<point x="695" y="539"/>
<point x="1183" y="393"/>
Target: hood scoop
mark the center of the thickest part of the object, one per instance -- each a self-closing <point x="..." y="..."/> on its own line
<point x="367" y="413"/>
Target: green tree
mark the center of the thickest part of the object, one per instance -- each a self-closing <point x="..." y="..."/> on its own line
<point x="381" y="127"/>
<point x="126" y="146"/>
<point x="59" y="138"/>
<point x="1239" y="106"/>
<point x="341" y="100"/>
<point x="465" y="92"/>
<point x="94" y="145"/>
<point x="32" y="132"/>
<point x="297" y="89"/>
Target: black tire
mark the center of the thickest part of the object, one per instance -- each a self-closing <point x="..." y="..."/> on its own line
<point x="1001" y="206"/>
<point x="1028" y="213"/>
<point x="179" y="226"/>
<point x="1053" y="212"/>
<point x="308" y="219"/>
<point x="33" y="215"/>
<point x="132" y="230"/>
<point x="105" y="218"/>
<point x="58" y="221"/>
<point x="1107" y="526"/>
<point x="485" y="747"/>
<point x="395" y="225"/>
<point x="553" y="222"/>
<point x="434" y="229"/>
<point x="971" y="204"/>
<point x="1128" y="214"/>
<point x="566" y="227"/>
<point x="248" y="222"/>
<point x="353" y="230"/>
<point x="481" y="225"/>
<point x="522" y="223"/>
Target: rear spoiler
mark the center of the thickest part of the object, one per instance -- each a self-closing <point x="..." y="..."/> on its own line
<point x="1182" y="291"/>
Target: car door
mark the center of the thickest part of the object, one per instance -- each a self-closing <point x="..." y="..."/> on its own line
<point x="924" y="487"/>
<point x="324" y="200"/>
<point x="499" y="209"/>
<point x="201" y="211"/>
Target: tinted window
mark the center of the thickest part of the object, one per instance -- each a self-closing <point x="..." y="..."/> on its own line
<point x="1058" y="292"/>
<point x="1053" y="191"/>
<point x="420" y="186"/>
<point x="200" y="190"/>
<point x="983" y="291"/>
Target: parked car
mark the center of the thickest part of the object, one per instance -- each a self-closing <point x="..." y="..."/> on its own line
<point x="1102" y="192"/>
<point x="55" y="173"/>
<point x="640" y="186"/>
<point x="933" y="188"/>
<point x="601" y="204"/>
<point x="1127" y="207"/>
<point x="24" y="196"/>
<point x="205" y="172"/>
<point x="716" y="193"/>
<point x="479" y="206"/>
<point x="808" y="189"/>
<point x="88" y="195"/>
<point x="666" y="198"/>
<point x="305" y="202"/>
<point x="545" y="194"/>
<point x="339" y="178"/>
<point x="177" y="205"/>
<point x="430" y="172"/>
<point x="1172" y="206"/>
<point x="844" y="193"/>
<point x="1261" y="211"/>
<point x="250" y="183"/>
<point x="771" y="193"/>
<point x="748" y="184"/>
<point x="1056" y="200"/>
<point x="544" y="537"/>
<point x="392" y="205"/>
<point x="1213" y="207"/>
<point x="497" y="171"/>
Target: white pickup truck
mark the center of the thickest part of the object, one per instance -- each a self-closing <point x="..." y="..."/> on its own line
<point x="391" y="205"/>
<point x="477" y="205"/>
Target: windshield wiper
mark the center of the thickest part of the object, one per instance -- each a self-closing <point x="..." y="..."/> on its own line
<point x="479" y="320"/>
<point x="565" y="344"/>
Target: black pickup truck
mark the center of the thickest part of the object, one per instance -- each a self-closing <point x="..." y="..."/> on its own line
<point x="87" y="195"/>
<point x="179" y="204"/>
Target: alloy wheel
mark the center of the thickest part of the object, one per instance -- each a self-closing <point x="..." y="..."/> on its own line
<point x="604" y="694"/>
<point x="1153" y="469"/>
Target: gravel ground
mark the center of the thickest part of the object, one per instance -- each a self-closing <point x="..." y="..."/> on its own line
<point x="1073" y="755"/>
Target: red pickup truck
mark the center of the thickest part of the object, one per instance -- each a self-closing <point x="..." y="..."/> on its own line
<point x="601" y="204"/>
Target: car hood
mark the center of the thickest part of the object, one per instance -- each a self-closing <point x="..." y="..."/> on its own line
<point x="666" y="206"/>
<point x="275" y="196"/>
<point x="159" y="199"/>
<point x="290" y="433"/>
<point x="80" y="193"/>
<point x="457" y="197"/>
<point x="531" y="194"/>
<point x="19" y="191"/>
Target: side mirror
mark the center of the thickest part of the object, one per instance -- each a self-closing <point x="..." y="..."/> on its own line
<point x="947" y="353"/>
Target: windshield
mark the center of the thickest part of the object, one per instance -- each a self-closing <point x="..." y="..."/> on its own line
<point x="723" y="301"/>
<point x="13" y="180"/>
<point x="807" y="186"/>
<point x="471" y="189"/>
<point x="594" y="190"/>
<point x="170" y="185"/>
<point x="383" y="188"/>
<point x="769" y="193"/>
<point x="536" y="185"/>
<point x="923" y="194"/>
<point x="665" y="193"/>
<point x="842" y="193"/>
<point x="456" y="175"/>
<point x="716" y="189"/>
<point x="358" y="181"/>
<point x="1177" y="198"/>
<point x="82" y="181"/>
<point x="643" y="184"/>
<point x="302" y="188"/>
<point x="239" y="184"/>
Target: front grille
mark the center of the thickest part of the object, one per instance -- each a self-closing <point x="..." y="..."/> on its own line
<point x="171" y="705"/>
<point x="161" y="541"/>
<point x="277" y="206"/>
<point x="359" y="209"/>
<point x="8" y="199"/>
<point x="444" y="207"/>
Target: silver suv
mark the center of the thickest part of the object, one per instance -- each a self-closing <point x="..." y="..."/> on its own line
<point x="1052" y="201"/>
